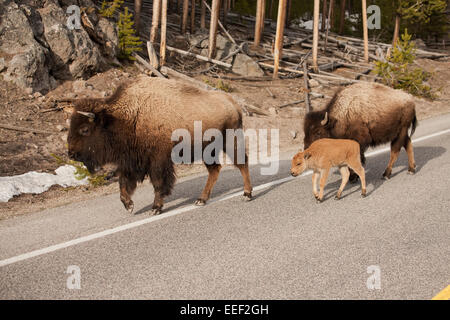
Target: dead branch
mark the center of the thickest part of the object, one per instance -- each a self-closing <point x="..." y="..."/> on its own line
<point x="22" y="129"/>
<point x="200" y="57"/>
<point x="147" y="65"/>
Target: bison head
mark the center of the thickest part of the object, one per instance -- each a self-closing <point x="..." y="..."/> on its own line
<point x="88" y="137"/>
<point x="298" y="164"/>
<point x="316" y="126"/>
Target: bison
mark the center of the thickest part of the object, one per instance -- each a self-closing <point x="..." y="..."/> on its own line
<point x="325" y="154"/>
<point x="132" y="129"/>
<point x="371" y="114"/>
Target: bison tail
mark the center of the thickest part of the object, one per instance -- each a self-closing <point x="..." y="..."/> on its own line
<point x="414" y="125"/>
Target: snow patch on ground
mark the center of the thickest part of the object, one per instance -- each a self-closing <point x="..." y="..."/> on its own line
<point x="35" y="182"/>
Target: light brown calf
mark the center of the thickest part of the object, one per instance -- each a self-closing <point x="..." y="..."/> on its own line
<point x="325" y="154"/>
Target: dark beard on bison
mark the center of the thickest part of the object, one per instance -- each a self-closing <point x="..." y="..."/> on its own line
<point x="92" y="166"/>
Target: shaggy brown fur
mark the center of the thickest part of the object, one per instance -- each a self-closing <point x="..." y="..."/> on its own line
<point x="132" y="129"/>
<point x="325" y="154"/>
<point x="369" y="113"/>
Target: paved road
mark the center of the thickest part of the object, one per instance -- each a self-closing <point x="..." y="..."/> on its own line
<point x="281" y="245"/>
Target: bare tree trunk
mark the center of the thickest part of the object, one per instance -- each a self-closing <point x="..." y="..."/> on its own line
<point x="396" y="30"/>
<point x="225" y="12"/>
<point x="331" y="17"/>
<point x="137" y="15"/>
<point x="342" y="17"/>
<point x="324" y="14"/>
<point x="306" y="83"/>
<point x="202" y="15"/>
<point x="365" y="31"/>
<point x="259" y="24"/>
<point x="330" y="9"/>
<point x="184" y="18"/>
<point x="279" y="36"/>
<point x="316" y="34"/>
<point x="155" y="20"/>
<point x="215" y="11"/>
<point x="192" y="16"/>
<point x="162" y="47"/>
<point x="288" y="12"/>
<point x="270" y="9"/>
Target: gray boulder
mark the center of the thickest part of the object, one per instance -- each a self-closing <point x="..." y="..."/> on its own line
<point x="35" y="42"/>
<point x="73" y="53"/>
<point x="245" y="66"/>
<point x="25" y="57"/>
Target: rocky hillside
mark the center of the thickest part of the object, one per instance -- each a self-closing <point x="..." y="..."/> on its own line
<point x="37" y="48"/>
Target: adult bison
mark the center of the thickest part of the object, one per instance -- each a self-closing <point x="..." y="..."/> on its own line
<point x="133" y="128"/>
<point x="371" y="114"/>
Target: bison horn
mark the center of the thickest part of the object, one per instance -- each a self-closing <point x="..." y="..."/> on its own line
<point x="87" y="114"/>
<point x="325" y="120"/>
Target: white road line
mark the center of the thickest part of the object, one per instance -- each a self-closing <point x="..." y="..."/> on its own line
<point x="171" y="213"/>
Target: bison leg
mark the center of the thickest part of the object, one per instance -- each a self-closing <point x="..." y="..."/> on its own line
<point x="243" y="168"/>
<point x="127" y="186"/>
<point x="246" y="177"/>
<point x="213" y="174"/>
<point x="323" y="180"/>
<point x="315" y="177"/>
<point x="409" y="150"/>
<point x="345" y="173"/>
<point x="162" y="177"/>
<point x="396" y="146"/>
<point x="358" y="168"/>
<point x="353" y="176"/>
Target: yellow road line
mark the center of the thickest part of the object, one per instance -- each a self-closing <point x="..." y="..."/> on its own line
<point x="443" y="295"/>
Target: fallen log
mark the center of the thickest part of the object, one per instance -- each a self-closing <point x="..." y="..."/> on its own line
<point x="22" y="129"/>
<point x="269" y="66"/>
<point x="313" y="96"/>
<point x="147" y="65"/>
<point x="200" y="57"/>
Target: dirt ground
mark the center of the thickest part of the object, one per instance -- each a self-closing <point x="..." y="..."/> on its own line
<point x="22" y="151"/>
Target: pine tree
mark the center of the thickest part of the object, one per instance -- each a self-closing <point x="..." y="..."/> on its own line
<point x="109" y="8"/>
<point x="128" y="41"/>
<point x="424" y="17"/>
<point x="398" y="73"/>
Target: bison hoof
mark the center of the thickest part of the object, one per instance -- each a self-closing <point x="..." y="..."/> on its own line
<point x="155" y="211"/>
<point x="247" y="196"/>
<point x="200" y="202"/>
<point x="129" y="207"/>
<point x="386" y="177"/>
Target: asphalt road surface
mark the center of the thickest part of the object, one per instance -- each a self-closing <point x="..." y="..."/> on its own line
<point x="281" y="245"/>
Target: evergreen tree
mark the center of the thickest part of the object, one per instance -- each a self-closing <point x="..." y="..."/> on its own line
<point x="398" y="73"/>
<point x="128" y="41"/>
<point x="109" y="8"/>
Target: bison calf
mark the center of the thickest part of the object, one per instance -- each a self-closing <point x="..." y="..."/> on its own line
<point x="324" y="154"/>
